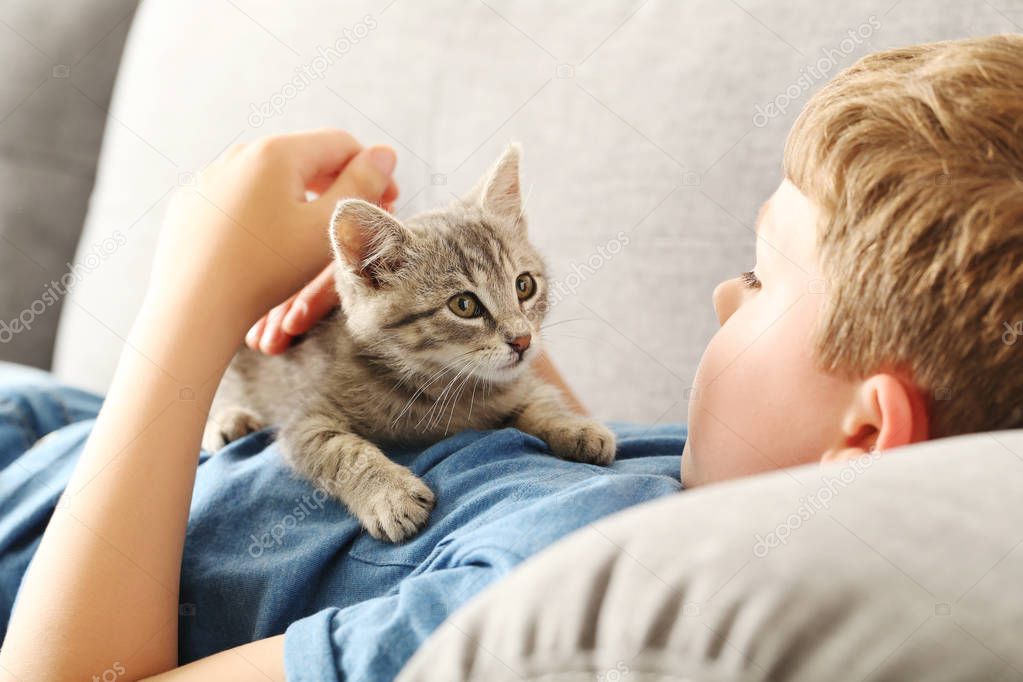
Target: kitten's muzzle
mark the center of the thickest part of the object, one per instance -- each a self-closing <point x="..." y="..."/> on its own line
<point x="520" y="343"/>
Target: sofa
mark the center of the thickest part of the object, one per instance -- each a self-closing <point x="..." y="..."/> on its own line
<point x="652" y="130"/>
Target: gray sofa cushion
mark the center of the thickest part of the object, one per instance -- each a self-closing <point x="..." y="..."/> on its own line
<point x="904" y="567"/>
<point x="58" y="70"/>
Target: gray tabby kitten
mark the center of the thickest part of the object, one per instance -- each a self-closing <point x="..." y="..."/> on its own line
<point x="439" y="322"/>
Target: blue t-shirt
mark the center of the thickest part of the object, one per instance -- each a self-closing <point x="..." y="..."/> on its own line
<point x="267" y="553"/>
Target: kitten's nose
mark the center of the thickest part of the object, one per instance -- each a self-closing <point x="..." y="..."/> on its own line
<point x="520" y="343"/>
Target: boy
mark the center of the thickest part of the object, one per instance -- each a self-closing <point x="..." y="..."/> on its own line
<point x="887" y="263"/>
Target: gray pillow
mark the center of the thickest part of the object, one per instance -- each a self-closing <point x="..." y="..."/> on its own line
<point x="902" y="567"/>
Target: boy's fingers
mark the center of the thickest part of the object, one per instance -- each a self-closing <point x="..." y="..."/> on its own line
<point x="317" y="152"/>
<point x="297" y="320"/>
<point x="312" y="304"/>
<point x="367" y="176"/>
<point x="390" y="194"/>
<point x="273" y="340"/>
<point x="321" y="183"/>
<point x="255" y="334"/>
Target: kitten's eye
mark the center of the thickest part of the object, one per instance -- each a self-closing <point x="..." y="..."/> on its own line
<point x="750" y="280"/>
<point x="465" y="305"/>
<point x="525" y="286"/>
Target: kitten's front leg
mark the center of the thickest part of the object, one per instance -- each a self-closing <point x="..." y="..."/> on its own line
<point x="569" y="435"/>
<point x="390" y="501"/>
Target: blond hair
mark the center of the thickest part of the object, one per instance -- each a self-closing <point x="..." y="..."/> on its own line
<point x="914" y="157"/>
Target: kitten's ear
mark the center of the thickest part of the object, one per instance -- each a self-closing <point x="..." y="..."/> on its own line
<point x="367" y="241"/>
<point x="499" y="192"/>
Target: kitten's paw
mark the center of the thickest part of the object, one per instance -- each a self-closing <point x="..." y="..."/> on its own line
<point x="229" y="425"/>
<point x="582" y="440"/>
<point x="396" y="506"/>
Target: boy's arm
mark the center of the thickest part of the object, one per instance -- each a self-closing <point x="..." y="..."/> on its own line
<point x="103" y="584"/>
<point x="262" y="660"/>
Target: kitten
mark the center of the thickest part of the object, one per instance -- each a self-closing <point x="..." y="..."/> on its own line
<point x="439" y="323"/>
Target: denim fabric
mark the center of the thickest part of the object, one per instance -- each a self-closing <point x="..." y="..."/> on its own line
<point x="267" y="553"/>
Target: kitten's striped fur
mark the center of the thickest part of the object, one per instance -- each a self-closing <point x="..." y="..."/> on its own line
<point x="396" y="364"/>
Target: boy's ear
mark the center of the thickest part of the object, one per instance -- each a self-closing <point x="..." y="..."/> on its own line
<point x="367" y="241"/>
<point x="499" y="191"/>
<point x="886" y="412"/>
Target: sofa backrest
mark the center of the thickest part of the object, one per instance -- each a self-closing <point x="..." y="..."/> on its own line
<point x="652" y="131"/>
<point x="58" y="72"/>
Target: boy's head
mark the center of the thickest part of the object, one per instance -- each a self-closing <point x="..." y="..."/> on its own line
<point x="889" y="269"/>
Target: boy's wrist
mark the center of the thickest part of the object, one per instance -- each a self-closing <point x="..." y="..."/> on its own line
<point x="189" y="335"/>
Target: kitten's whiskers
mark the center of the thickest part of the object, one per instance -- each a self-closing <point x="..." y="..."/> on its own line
<point x="446" y="368"/>
<point x="439" y="400"/>
<point x="458" y="394"/>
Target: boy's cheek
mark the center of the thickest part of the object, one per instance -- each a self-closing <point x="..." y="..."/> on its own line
<point x="720" y="409"/>
<point x="724" y="418"/>
<point x="759" y="402"/>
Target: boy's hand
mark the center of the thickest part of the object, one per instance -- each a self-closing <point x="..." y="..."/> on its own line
<point x="275" y="330"/>
<point x="245" y="238"/>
